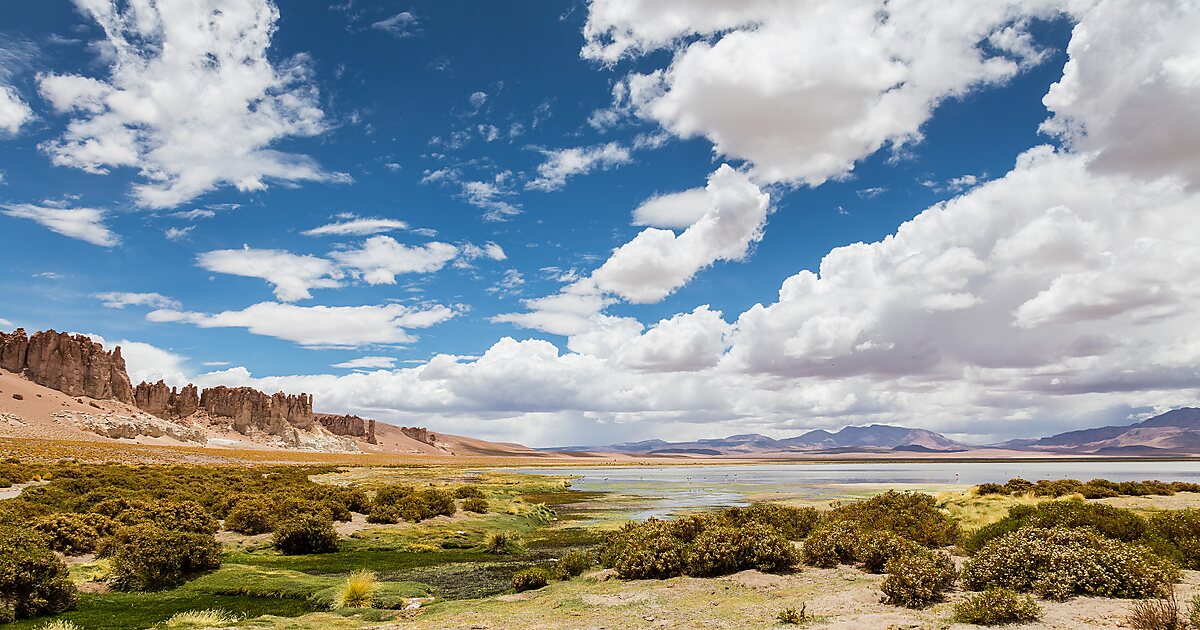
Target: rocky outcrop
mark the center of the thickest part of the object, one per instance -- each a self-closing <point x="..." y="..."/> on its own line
<point x="72" y="364"/>
<point x="350" y="426"/>
<point x="420" y="434"/>
<point x="166" y="402"/>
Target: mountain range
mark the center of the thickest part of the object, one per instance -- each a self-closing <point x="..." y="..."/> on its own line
<point x="1175" y="432"/>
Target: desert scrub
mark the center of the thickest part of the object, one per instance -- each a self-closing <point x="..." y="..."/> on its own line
<point x="59" y="624"/>
<point x="831" y="545"/>
<point x="147" y="557"/>
<point x="75" y="534"/>
<point x="1194" y="610"/>
<point x="794" y="523"/>
<point x="530" y="579"/>
<point x="1057" y="563"/>
<point x="918" y="579"/>
<point x="913" y="515"/>
<point x="253" y="515"/>
<point x="573" y="563"/>
<point x="875" y="549"/>
<point x="468" y="492"/>
<point x="722" y="549"/>
<point x="1156" y="614"/>
<point x="1108" y="521"/>
<point x="201" y="619"/>
<point x="502" y="542"/>
<point x="647" y="550"/>
<point x="33" y="581"/>
<point x="305" y="534"/>
<point x="793" y="616"/>
<point x="357" y="592"/>
<point x="479" y="506"/>
<point x="997" y="606"/>
<point x="1179" y="533"/>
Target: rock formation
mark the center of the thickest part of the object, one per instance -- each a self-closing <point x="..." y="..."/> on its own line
<point x="420" y="434"/>
<point x="72" y="364"/>
<point x="246" y="408"/>
<point x="164" y="402"/>
<point x="350" y="426"/>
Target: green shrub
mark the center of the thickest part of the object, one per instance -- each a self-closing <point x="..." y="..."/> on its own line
<point x="391" y="494"/>
<point x="530" y="579"/>
<point x="1017" y="485"/>
<point x="251" y="516"/>
<point x="573" y="563"/>
<point x="184" y="516"/>
<point x="875" y="549"/>
<point x="997" y="606"/>
<point x="794" y="523"/>
<point x="502" y="542"/>
<point x="647" y="550"/>
<point x="720" y="550"/>
<point x="75" y="534"/>
<point x="1194" y="605"/>
<point x="477" y="505"/>
<point x="1109" y="521"/>
<point x="33" y="581"/>
<point x="918" y="579"/>
<point x="386" y="514"/>
<point x="148" y="557"/>
<point x="5" y="482"/>
<point x="1185" y="486"/>
<point x="306" y="533"/>
<point x="831" y="545"/>
<point x="990" y="488"/>
<point x="468" y="492"/>
<point x="793" y="615"/>
<point x="1059" y="562"/>
<point x="437" y="503"/>
<point x="913" y="515"/>
<point x="1180" y="530"/>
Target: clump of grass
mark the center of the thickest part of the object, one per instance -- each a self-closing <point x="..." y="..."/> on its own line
<point x="201" y="619"/>
<point x="997" y="606"/>
<point x="59" y="625"/>
<point x="794" y="616"/>
<point x="1156" y="614"/>
<point x="358" y="591"/>
<point x="530" y="579"/>
<point x="502" y="542"/>
<point x="573" y="563"/>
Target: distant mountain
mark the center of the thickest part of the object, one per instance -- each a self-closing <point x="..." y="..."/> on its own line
<point x="873" y="438"/>
<point x="1176" y="431"/>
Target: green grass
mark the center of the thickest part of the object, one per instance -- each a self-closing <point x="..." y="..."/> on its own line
<point x="236" y="579"/>
<point x="344" y="562"/>
<point x="129" y="611"/>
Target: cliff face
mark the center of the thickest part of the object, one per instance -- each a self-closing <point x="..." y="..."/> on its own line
<point x="420" y="434"/>
<point x="74" y="365"/>
<point x="245" y="407"/>
<point x="350" y="426"/>
<point x="164" y="402"/>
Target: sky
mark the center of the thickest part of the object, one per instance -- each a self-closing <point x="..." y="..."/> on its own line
<point x="600" y="221"/>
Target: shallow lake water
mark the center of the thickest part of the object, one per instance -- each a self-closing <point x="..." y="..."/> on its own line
<point x="670" y="489"/>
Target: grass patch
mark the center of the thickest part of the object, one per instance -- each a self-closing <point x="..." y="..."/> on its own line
<point x="123" y="611"/>
<point x="234" y="579"/>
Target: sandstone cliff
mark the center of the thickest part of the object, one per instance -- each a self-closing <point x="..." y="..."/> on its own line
<point x="246" y="408"/>
<point x="350" y="426"/>
<point x="420" y="434"/>
<point x="72" y="364"/>
<point x="164" y="402"/>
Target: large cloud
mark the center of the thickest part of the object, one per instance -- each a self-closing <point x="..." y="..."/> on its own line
<point x="804" y="89"/>
<point x="191" y="101"/>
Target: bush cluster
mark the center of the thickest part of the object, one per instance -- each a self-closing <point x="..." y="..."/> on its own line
<point x="573" y="563"/>
<point x="997" y="606"/>
<point x="305" y="533"/>
<point x="1176" y="534"/>
<point x="912" y="515"/>
<point x="148" y="557"/>
<point x="1059" y="562"/>
<point x="1072" y="513"/>
<point x="530" y="579"/>
<point x="75" y="534"/>
<point x="918" y="578"/>
<point x="479" y="506"/>
<point x="1094" y="489"/>
<point x="397" y="503"/>
<point x="468" y="492"/>
<point x="251" y="515"/>
<point x="33" y="581"/>
<point x="699" y="545"/>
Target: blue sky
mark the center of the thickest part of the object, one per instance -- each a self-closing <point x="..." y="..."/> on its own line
<point x="501" y="149"/>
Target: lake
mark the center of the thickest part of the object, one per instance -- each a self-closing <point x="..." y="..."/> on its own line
<point x="669" y="489"/>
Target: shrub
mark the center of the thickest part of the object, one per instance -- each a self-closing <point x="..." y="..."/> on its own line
<point x="201" y="619"/>
<point x="794" y="523"/>
<point x="793" y="615"/>
<point x="1057" y="563"/>
<point x="1185" y="486"/>
<point x="305" y="533"/>
<point x="918" y="579"/>
<point x="468" y="492"/>
<point x="831" y="545"/>
<point x="391" y="494"/>
<point x="997" y="606"/>
<point x="251" y="516"/>
<point x="990" y="488"/>
<point x="148" y="557"/>
<point x="33" y="581"/>
<point x="1180" y="530"/>
<point x="475" y="505"/>
<point x="573" y="563"/>
<point x="384" y="514"/>
<point x="502" y="542"/>
<point x="1194" y="611"/>
<point x="530" y="579"/>
<point x="5" y="482"/>
<point x="1156" y="614"/>
<point x="437" y="503"/>
<point x="75" y="534"/>
<point x="644" y="550"/>
<point x="184" y="516"/>
<point x="875" y="549"/>
<point x="357" y="591"/>
<point x="913" y="515"/>
<point x="60" y="624"/>
<point x="721" y="550"/>
<point x="1109" y="521"/>
<point x="1017" y="485"/>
